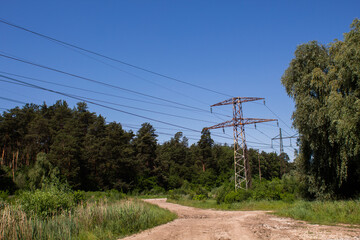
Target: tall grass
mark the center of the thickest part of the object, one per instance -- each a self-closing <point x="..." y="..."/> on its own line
<point x="327" y="212"/>
<point x="98" y="220"/>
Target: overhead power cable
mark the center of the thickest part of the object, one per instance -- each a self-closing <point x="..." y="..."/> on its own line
<point x="12" y="100"/>
<point x="276" y="116"/>
<point x="110" y="58"/>
<point x="97" y="92"/>
<point x="99" y="82"/>
<point x="146" y="110"/>
<point x="121" y="105"/>
<point x="104" y="106"/>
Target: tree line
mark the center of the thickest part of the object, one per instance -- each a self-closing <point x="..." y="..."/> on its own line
<point x="39" y="142"/>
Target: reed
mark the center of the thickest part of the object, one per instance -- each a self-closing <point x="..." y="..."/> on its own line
<point x="98" y="220"/>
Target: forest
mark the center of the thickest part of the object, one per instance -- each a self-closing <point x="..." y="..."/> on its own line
<point x="83" y="149"/>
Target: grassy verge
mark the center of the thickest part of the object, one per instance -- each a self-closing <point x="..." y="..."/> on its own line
<point x="149" y="196"/>
<point x="244" y="206"/>
<point x="97" y="220"/>
<point x="329" y="212"/>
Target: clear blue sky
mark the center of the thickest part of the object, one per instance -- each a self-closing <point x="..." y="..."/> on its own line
<point x="240" y="48"/>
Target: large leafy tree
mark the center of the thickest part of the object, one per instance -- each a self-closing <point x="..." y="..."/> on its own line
<point x="324" y="81"/>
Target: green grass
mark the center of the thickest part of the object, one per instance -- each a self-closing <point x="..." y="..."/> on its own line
<point x="149" y="196"/>
<point x="328" y="212"/>
<point x="96" y="220"/>
<point x="244" y="206"/>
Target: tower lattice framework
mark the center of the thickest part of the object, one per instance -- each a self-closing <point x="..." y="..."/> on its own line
<point x="238" y="122"/>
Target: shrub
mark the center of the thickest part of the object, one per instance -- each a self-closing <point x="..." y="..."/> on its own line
<point x="173" y="195"/>
<point x="200" y="197"/>
<point x="114" y="194"/>
<point x="4" y="195"/>
<point x="79" y="197"/>
<point x="221" y="193"/>
<point x="238" y="196"/>
<point x="46" y="203"/>
<point x="50" y="200"/>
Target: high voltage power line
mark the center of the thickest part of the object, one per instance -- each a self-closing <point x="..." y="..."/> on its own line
<point x="97" y="92"/>
<point x="75" y="48"/>
<point x="100" y="82"/>
<point x="12" y="100"/>
<point x="110" y="58"/>
<point x="111" y="108"/>
<point x="104" y="106"/>
<point x="84" y="99"/>
<point x="122" y="105"/>
<point x="63" y="43"/>
<point x="117" y="104"/>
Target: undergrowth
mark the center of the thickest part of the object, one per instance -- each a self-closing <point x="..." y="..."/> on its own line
<point x="96" y="220"/>
<point x="324" y="212"/>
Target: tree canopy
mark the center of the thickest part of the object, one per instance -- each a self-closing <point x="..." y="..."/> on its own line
<point x="81" y="148"/>
<point x="324" y="82"/>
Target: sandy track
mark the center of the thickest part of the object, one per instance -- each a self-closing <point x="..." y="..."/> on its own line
<point x="202" y="224"/>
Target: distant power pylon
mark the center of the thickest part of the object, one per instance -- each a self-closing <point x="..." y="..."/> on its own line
<point x="238" y="122"/>
<point x="280" y="137"/>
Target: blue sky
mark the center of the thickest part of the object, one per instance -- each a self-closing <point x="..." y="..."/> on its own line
<point x="240" y="48"/>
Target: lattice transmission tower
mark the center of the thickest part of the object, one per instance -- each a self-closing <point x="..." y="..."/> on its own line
<point x="238" y="122"/>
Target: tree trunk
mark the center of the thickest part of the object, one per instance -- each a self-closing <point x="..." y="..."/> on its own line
<point x="17" y="158"/>
<point x="2" y="156"/>
<point x="13" y="166"/>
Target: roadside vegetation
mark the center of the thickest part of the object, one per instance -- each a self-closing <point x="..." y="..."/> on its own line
<point x="56" y="212"/>
<point x="281" y="197"/>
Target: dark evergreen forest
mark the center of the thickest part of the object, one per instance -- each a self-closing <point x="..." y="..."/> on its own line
<point x="81" y="148"/>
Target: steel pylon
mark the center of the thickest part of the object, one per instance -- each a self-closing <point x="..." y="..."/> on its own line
<point x="238" y="122"/>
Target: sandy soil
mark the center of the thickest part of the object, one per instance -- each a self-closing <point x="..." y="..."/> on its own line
<point x="201" y="224"/>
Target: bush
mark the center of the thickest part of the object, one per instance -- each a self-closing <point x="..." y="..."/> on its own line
<point x="284" y="189"/>
<point x="50" y="200"/>
<point x="173" y="195"/>
<point x="221" y="193"/>
<point x="239" y="196"/>
<point x="4" y="195"/>
<point x="46" y="203"/>
<point x="200" y="197"/>
<point x="114" y="194"/>
<point x="79" y="197"/>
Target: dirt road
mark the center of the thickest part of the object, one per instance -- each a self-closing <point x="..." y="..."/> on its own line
<point x="202" y="224"/>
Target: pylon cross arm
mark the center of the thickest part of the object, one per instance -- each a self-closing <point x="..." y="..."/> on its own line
<point x="240" y="121"/>
<point x="235" y="100"/>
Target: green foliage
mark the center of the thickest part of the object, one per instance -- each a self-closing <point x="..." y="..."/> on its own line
<point x="199" y="197"/>
<point x="41" y="171"/>
<point x="82" y="149"/>
<point x="238" y="196"/>
<point x="4" y="195"/>
<point x="48" y="201"/>
<point x="284" y="189"/>
<point x="101" y="220"/>
<point x="323" y="80"/>
<point x="79" y="197"/>
<point x="324" y="212"/>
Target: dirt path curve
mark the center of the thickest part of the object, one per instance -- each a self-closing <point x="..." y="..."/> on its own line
<point x="209" y="224"/>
